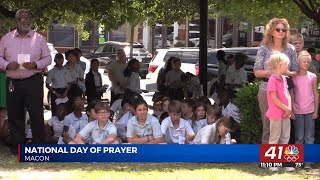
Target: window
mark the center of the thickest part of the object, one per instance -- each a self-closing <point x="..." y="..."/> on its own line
<point x="107" y="49"/>
<point x="212" y="59"/>
<point x="190" y="57"/>
<point x="172" y="53"/>
<point x="99" y="50"/>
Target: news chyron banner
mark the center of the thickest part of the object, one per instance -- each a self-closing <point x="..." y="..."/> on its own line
<point x="162" y="153"/>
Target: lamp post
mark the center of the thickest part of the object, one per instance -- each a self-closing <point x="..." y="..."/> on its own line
<point x="203" y="58"/>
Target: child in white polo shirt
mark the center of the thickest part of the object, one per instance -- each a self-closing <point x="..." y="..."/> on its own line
<point x="143" y="128"/>
<point x="199" y="113"/>
<point x="187" y="110"/>
<point x="100" y="131"/>
<point x="175" y="129"/>
<point x="54" y="128"/>
<point x="215" y="133"/>
<point x="58" y="81"/>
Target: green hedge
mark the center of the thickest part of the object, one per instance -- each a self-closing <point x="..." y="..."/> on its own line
<point x="251" y="125"/>
<point x="247" y="102"/>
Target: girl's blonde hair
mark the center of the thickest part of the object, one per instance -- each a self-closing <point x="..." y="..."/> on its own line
<point x="304" y="54"/>
<point x="271" y="26"/>
<point x="277" y="58"/>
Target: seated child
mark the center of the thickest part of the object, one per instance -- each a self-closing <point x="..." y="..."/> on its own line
<point x="190" y="85"/>
<point x="165" y="103"/>
<point x="199" y="114"/>
<point x="213" y="114"/>
<point x="157" y="109"/>
<point x="227" y="107"/>
<point x="54" y="128"/>
<point x="230" y="109"/>
<point x="215" y="133"/>
<point x="75" y="120"/>
<point x="91" y="113"/>
<point x="173" y="81"/>
<point x="143" y="128"/>
<point x="100" y="131"/>
<point x="187" y="110"/>
<point x="175" y="129"/>
<point x="122" y="123"/>
<point x="128" y="112"/>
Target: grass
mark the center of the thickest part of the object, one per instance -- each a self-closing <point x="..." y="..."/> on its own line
<point x="11" y="169"/>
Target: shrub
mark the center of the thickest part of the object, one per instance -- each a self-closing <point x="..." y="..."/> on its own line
<point x="247" y="102"/>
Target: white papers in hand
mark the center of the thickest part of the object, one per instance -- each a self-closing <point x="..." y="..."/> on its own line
<point x="22" y="58"/>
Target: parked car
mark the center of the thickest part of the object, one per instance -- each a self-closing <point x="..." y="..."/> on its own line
<point x="108" y="52"/>
<point x="190" y="61"/>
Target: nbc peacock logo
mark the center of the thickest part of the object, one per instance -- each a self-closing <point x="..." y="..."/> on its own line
<point x="291" y="153"/>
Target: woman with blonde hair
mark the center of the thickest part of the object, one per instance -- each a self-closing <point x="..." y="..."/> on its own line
<point x="276" y="38"/>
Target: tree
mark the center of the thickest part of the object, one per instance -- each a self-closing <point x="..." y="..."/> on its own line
<point x="257" y="11"/>
<point x="111" y="13"/>
<point x="311" y="8"/>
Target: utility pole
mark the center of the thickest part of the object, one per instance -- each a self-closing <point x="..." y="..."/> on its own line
<point x="203" y="49"/>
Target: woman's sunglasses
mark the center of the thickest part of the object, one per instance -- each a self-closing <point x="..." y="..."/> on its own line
<point x="279" y="29"/>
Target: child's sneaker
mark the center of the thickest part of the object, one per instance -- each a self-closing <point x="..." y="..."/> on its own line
<point x="289" y="169"/>
<point x="273" y="169"/>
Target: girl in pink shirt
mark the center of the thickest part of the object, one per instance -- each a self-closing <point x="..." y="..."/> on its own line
<point x="305" y="101"/>
<point x="279" y="100"/>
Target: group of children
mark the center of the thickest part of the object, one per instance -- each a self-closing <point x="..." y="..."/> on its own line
<point x="300" y="102"/>
<point x="176" y="84"/>
<point x="231" y="73"/>
<point x="180" y="123"/>
<point x="65" y="82"/>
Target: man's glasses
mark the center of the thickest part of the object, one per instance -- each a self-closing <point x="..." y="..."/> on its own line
<point x="279" y="29"/>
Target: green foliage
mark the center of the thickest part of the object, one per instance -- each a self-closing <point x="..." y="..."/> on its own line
<point x="247" y="102"/>
<point x="257" y="11"/>
<point x="111" y="13"/>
